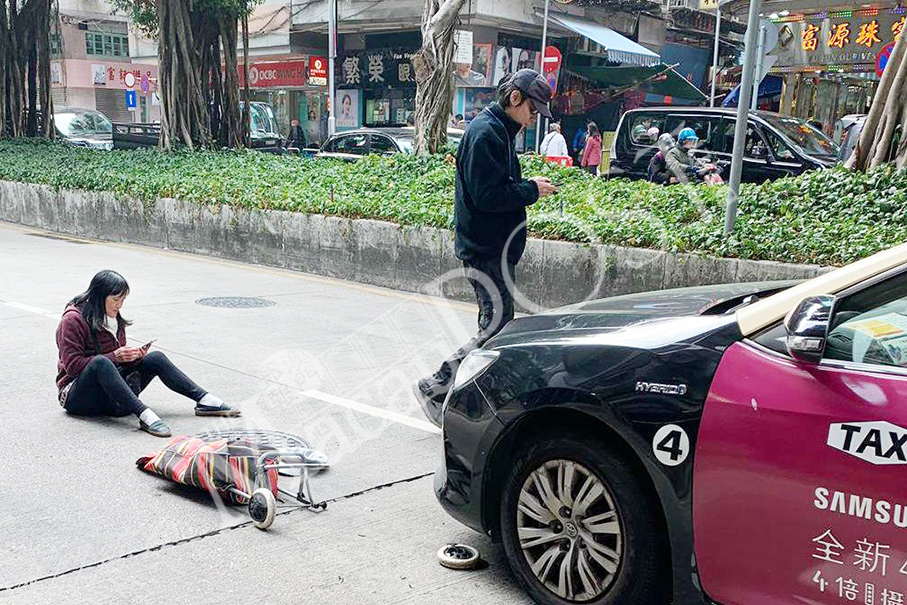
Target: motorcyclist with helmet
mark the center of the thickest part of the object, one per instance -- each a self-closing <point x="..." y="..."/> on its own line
<point x="684" y="166"/>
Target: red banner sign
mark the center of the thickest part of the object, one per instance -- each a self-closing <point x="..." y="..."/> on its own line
<point x="275" y="74"/>
<point x="318" y="71"/>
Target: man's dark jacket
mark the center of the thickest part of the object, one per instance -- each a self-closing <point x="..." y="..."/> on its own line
<point x="491" y="195"/>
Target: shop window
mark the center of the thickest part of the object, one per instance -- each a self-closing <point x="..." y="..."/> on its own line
<point x="646" y="128"/>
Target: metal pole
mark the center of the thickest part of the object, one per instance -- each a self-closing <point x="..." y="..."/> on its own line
<point x="760" y="54"/>
<point x="538" y="126"/>
<point x="715" y="56"/>
<point x="743" y="103"/>
<point x="332" y="55"/>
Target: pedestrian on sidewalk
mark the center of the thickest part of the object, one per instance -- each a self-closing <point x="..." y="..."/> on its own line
<point x="99" y="375"/>
<point x="491" y="197"/>
<point x="296" y="138"/>
<point x="592" y="153"/>
<point x="554" y="145"/>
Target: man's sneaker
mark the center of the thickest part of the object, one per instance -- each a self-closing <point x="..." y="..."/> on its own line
<point x="158" y="428"/>
<point x="431" y="399"/>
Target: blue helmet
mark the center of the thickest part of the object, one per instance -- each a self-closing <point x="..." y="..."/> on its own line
<point x="687" y="134"/>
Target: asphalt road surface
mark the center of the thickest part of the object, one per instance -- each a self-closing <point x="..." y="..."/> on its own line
<point x="331" y="361"/>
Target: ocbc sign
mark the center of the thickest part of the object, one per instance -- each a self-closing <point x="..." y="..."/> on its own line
<point x="275" y="74"/>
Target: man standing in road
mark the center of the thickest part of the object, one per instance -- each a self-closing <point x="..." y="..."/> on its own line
<point x="490" y="215"/>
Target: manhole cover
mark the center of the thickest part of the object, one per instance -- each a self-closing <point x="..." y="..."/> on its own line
<point x="236" y="302"/>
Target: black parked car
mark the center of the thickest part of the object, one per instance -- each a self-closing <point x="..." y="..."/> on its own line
<point x="776" y="146"/>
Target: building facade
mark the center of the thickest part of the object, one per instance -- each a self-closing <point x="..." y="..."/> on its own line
<point x="90" y="59"/>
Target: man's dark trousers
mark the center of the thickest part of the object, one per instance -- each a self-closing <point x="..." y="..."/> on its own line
<point x="495" y="300"/>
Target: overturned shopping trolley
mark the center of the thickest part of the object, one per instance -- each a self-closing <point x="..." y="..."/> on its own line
<point x="242" y="467"/>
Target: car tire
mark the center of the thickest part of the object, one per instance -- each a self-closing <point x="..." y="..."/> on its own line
<point x="621" y="522"/>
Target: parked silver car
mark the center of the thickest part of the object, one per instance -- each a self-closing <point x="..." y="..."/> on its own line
<point x="84" y="127"/>
<point x="351" y="145"/>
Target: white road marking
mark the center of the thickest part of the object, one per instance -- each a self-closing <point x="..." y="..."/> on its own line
<point x="422" y="425"/>
<point x="28" y="308"/>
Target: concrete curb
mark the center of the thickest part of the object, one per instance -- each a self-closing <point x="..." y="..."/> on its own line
<point x="414" y="259"/>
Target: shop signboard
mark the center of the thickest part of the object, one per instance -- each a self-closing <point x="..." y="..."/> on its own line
<point x="318" y="71"/>
<point x="462" y="46"/>
<point x="375" y="68"/>
<point x="846" y="39"/>
<point x="275" y="74"/>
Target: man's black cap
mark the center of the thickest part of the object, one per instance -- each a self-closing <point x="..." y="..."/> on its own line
<point x="533" y="85"/>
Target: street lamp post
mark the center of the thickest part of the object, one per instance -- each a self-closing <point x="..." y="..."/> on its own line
<point x="538" y="127"/>
<point x="743" y="104"/>
<point x="332" y="55"/>
<point x="715" y="55"/>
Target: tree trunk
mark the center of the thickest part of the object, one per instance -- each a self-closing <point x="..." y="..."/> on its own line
<point x="4" y="60"/>
<point x="31" y="127"/>
<point x="232" y="135"/>
<point x="184" y="111"/>
<point x="44" y="26"/>
<point x="884" y="115"/>
<point x="434" y="74"/>
<point x="246" y="110"/>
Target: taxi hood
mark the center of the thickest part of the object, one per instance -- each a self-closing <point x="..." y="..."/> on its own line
<point x="620" y="311"/>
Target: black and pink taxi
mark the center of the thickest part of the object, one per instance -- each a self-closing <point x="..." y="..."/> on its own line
<point x="741" y="444"/>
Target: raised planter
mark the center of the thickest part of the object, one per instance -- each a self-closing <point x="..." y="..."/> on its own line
<point x="415" y="259"/>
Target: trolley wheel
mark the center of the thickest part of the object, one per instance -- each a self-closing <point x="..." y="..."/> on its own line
<point x="458" y="556"/>
<point x="262" y="507"/>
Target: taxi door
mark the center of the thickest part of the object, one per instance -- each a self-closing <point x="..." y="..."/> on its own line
<point x="800" y="473"/>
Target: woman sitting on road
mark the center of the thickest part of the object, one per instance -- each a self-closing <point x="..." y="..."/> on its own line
<point x="98" y="375"/>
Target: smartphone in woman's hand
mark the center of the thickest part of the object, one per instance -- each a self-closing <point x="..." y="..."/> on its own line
<point x="147" y="345"/>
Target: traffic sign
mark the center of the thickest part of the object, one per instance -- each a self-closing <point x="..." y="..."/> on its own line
<point x="131" y="98"/>
<point x="129" y="80"/>
<point x="882" y="59"/>
<point x="551" y="66"/>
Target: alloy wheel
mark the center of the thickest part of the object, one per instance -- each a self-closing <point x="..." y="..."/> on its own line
<point x="570" y="531"/>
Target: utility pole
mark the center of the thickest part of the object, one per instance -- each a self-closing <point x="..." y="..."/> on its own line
<point x="715" y="54"/>
<point x="760" y="56"/>
<point x="746" y="91"/>
<point x="332" y="56"/>
<point x="538" y="127"/>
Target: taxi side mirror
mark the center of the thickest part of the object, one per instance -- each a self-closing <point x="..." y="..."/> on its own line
<point x="807" y="328"/>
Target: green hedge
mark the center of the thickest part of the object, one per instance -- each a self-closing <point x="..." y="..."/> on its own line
<point x="825" y="217"/>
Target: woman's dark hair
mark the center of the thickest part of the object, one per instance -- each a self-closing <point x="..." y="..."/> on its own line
<point x="593" y="129"/>
<point x="91" y="302"/>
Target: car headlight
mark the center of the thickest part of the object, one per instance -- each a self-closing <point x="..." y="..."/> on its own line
<point x="475" y="363"/>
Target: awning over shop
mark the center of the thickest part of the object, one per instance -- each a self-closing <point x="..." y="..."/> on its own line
<point x="620" y="49"/>
<point x="658" y="79"/>
<point x="769" y="87"/>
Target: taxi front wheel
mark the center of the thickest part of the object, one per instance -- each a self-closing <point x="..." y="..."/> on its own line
<point x="577" y="526"/>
